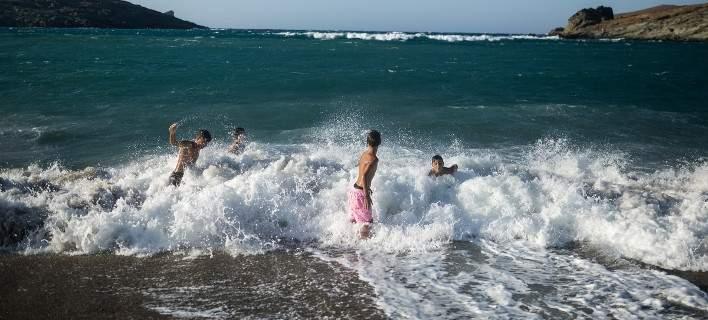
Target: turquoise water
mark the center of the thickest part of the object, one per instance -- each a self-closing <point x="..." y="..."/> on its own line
<point x="583" y="168"/>
<point x="87" y="97"/>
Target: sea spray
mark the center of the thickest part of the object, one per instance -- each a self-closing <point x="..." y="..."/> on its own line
<point x="556" y="195"/>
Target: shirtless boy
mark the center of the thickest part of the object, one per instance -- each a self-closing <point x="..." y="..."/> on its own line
<point x="439" y="168"/>
<point x="239" y="142"/>
<point x="188" y="152"/>
<point x="359" y="196"/>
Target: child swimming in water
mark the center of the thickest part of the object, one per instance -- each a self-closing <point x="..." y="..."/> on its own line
<point x="239" y="142"/>
<point x="439" y="169"/>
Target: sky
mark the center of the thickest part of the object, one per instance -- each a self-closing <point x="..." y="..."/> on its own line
<point x="475" y="16"/>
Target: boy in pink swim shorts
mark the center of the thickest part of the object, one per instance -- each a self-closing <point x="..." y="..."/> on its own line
<point x="359" y="196"/>
<point x="358" y="211"/>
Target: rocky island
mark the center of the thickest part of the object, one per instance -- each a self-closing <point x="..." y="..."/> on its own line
<point x="113" y="14"/>
<point x="665" y="22"/>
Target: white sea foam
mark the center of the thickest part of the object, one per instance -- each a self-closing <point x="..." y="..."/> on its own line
<point x="517" y="282"/>
<point x="513" y="209"/>
<point x="404" y="36"/>
<point x="554" y="195"/>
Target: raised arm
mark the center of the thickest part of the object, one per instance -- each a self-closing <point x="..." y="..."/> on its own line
<point x="173" y="134"/>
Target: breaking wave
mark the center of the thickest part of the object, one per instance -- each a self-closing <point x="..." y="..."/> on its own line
<point x="550" y="194"/>
<point x="403" y="36"/>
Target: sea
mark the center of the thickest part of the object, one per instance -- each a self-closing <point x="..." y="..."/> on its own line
<point x="582" y="190"/>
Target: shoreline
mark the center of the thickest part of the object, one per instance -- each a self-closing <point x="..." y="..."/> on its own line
<point x="166" y="286"/>
<point x="698" y="278"/>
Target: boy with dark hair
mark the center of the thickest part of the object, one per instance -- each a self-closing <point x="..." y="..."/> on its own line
<point x="439" y="168"/>
<point x="188" y="151"/>
<point x="359" y="196"/>
<point x="239" y="142"/>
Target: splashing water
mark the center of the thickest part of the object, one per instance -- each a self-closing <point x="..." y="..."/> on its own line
<point x="549" y="195"/>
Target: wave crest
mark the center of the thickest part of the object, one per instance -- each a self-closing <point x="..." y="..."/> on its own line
<point x="403" y="36"/>
<point x="553" y="195"/>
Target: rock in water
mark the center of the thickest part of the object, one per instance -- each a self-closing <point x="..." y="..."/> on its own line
<point x="666" y="22"/>
<point x="556" y="32"/>
<point x="86" y="14"/>
<point x="589" y="16"/>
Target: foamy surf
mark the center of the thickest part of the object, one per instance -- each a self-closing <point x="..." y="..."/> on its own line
<point x="552" y="195"/>
<point x="489" y="280"/>
<point x="405" y="36"/>
<point x="495" y="240"/>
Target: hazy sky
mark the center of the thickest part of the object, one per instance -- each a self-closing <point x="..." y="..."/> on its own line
<point x="494" y="16"/>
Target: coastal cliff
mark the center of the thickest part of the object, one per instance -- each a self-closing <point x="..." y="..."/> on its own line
<point x="86" y="14"/>
<point x="666" y="22"/>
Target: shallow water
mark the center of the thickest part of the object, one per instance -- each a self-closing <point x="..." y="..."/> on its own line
<point x="466" y="280"/>
<point x="461" y="280"/>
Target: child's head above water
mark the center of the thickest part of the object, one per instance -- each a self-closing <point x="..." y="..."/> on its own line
<point x="373" y="138"/>
<point x="439" y="168"/>
<point x="238" y="132"/>
<point x="203" y="137"/>
<point x="438" y="162"/>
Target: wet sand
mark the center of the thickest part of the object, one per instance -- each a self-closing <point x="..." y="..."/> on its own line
<point x="273" y="285"/>
<point x="276" y="285"/>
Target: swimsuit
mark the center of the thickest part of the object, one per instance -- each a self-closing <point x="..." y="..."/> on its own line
<point x="176" y="178"/>
<point x="358" y="213"/>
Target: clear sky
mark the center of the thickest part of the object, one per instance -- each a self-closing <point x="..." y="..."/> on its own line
<point x="492" y="16"/>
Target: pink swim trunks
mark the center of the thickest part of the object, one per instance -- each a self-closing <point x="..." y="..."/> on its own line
<point x="358" y="213"/>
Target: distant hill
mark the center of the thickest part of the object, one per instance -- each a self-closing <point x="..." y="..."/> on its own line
<point x="665" y="22"/>
<point x="86" y="14"/>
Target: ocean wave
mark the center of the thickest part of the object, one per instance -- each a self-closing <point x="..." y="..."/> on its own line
<point x="555" y="195"/>
<point x="403" y="36"/>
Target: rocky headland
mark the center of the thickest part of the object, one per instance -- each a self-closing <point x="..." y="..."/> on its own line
<point x="665" y="22"/>
<point x="113" y="14"/>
